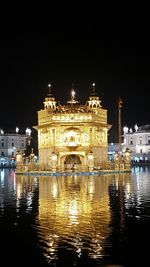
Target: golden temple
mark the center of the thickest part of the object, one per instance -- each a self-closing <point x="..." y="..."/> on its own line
<point x="74" y="135"/>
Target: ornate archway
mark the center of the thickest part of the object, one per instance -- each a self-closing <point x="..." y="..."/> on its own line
<point x="72" y="162"/>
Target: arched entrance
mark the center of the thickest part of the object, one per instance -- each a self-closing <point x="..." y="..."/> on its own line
<point x="72" y="162"/>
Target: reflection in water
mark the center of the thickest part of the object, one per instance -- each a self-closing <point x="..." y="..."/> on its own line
<point x="15" y="189"/>
<point x="24" y="188"/>
<point x="76" y="218"/>
<point x="69" y="210"/>
<point x="75" y="210"/>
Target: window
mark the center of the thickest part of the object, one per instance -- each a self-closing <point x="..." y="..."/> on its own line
<point x="2" y="144"/>
<point x="2" y="154"/>
<point x="131" y="142"/>
<point x="140" y="142"/>
<point x="12" y="143"/>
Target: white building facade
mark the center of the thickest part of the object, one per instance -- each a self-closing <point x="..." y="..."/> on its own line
<point x="10" y="143"/>
<point x="138" y="141"/>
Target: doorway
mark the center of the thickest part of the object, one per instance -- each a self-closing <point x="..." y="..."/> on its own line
<point x="72" y="162"/>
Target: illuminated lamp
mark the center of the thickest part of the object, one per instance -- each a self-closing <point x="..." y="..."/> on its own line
<point x="127" y="159"/>
<point x="54" y="161"/>
<point x="19" y="158"/>
<point x="90" y="160"/>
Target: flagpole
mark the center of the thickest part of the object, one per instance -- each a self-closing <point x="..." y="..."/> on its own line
<point x="119" y="124"/>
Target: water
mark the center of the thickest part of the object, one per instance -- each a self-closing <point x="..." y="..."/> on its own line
<point x="75" y="220"/>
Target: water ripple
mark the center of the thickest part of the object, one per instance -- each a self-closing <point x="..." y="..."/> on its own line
<point x="75" y="219"/>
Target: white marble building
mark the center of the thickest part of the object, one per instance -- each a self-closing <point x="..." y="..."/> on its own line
<point x="10" y="143"/>
<point x="137" y="139"/>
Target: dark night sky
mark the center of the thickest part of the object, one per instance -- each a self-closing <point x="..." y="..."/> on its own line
<point x="113" y="52"/>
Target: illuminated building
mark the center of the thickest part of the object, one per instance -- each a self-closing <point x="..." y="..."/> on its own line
<point x="138" y="141"/>
<point x="10" y="143"/>
<point x="71" y="131"/>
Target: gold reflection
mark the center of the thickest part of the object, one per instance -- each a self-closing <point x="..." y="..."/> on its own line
<point x="24" y="187"/>
<point x="76" y="209"/>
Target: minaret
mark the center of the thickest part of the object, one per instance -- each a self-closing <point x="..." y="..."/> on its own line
<point x="94" y="101"/>
<point x="50" y="102"/>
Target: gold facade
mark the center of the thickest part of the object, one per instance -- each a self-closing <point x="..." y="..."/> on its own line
<point x="71" y="131"/>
